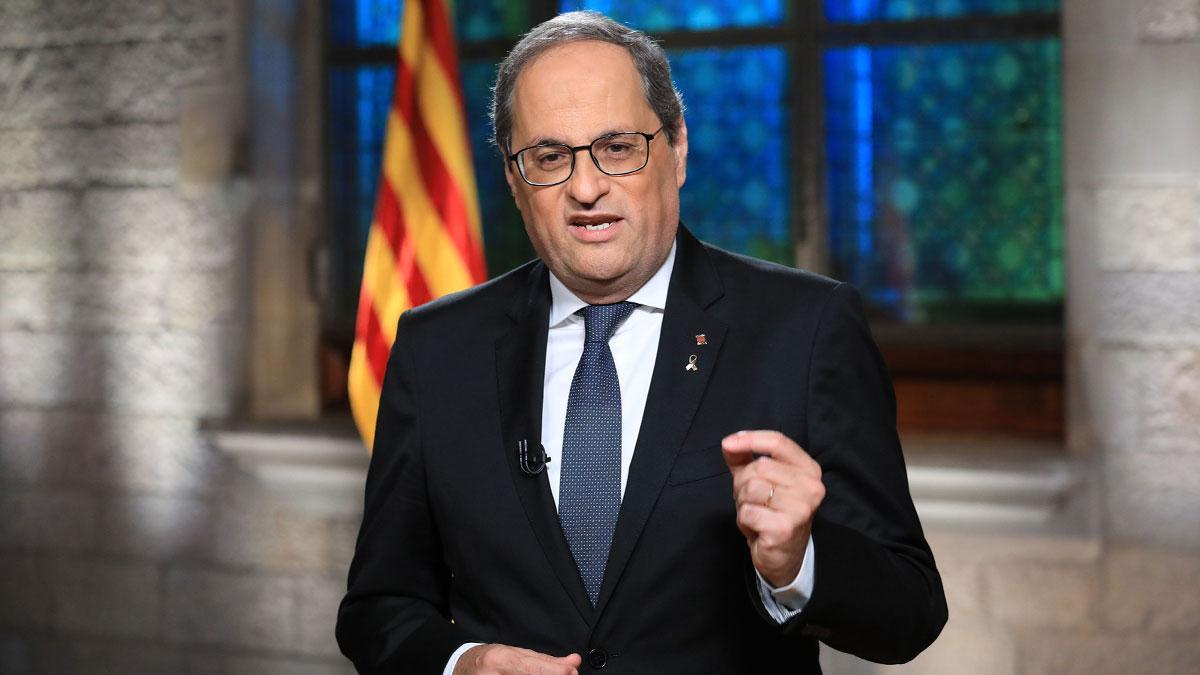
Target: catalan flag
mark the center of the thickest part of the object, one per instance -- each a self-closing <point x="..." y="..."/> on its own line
<point x="425" y="239"/>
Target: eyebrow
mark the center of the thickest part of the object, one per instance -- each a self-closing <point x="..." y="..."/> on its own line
<point x="547" y="141"/>
<point x="550" y="140"/>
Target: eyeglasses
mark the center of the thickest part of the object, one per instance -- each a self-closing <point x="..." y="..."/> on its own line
<point x="614" y="154"/>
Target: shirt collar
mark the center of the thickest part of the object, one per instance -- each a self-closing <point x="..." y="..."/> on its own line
<point x="652" y="294"/>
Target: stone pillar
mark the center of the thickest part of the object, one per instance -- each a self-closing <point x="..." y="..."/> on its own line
<point x="285" y="57"/>
<point x="1132" y="153"/>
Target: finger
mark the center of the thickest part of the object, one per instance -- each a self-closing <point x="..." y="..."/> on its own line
<point x="778" y="474"/>
<point x="763" y="442"/>
<point x="759" y="521"/>
<point x="766" y="469"/>
<point x="799" y="499"/>
<point x="736" y="456"/>
<point x="777" y="516"/>
<point x="796" y="509"/>
<point x="517" y="660"/>
<point x="541" y="664"/>
<point x="748" y="532"/>
<point x="739" y="458"/>
<point x="547" y="658"/>
<point x="743" y="446"/>
<point x="773" y="531"/>
<point x="574" y="660"/>
<point x="754" y="491"/>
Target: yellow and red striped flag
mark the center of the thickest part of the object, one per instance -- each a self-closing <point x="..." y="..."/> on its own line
<point x="425" y="239"/>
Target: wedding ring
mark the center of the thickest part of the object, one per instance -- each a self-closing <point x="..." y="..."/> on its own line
<point x="769" y="496"/>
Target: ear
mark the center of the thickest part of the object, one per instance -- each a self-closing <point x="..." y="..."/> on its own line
<point x="510" y="177"/>
<point x="680" y="147"/>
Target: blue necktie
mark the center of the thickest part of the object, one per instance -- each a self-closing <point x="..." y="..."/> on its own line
<point x="590" y="483"/>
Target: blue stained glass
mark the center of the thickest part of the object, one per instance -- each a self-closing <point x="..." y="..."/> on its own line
<point x="695" y="15"/>
<point x="362" y="23"/>
<point x="738" y="178"/>
<point x="365" y="23"/>
<point x="358" y="100"/>
<point x="944" y="177"/>
<point x="862" y="11"/>
<point x="505" y="243"/>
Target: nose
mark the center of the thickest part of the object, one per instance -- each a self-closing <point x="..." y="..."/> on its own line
<point x="587" y="183"/>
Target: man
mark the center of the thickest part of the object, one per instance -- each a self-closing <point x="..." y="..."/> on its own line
<point x="640" y="453"/>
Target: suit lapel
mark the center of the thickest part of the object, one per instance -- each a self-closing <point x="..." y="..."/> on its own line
<point x="674" y="396"/>
<point x="520" y="370"/>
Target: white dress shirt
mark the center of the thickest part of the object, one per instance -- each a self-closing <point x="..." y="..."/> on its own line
<point x="634" y="347"/>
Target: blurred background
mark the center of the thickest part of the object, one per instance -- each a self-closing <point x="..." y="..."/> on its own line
<point x="186" y="189"/>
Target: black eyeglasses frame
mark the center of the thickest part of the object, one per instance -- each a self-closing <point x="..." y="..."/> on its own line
<point x="575" y="149"/>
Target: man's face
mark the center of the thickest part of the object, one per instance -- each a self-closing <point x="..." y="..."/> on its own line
<point x="573" y="94"/>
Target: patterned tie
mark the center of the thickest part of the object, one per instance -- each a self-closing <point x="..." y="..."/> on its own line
<point x="590" y="484"/>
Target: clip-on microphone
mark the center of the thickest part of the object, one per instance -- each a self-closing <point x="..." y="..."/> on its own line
<point x="532" y="464"/>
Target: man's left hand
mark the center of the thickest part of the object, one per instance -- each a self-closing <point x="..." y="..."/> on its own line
<point x="778" y="488"/>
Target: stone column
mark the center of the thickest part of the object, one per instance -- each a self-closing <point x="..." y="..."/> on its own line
<point x="1132" y="153"/>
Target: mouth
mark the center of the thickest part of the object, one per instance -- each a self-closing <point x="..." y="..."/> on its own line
<point x="598" y="222"/>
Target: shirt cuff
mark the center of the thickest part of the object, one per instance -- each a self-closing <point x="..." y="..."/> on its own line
<point x="456" y="655"/>
<point x="787" y="601"/>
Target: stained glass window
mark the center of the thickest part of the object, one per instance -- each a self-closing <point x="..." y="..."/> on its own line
<point x="861" y="11"/>
<point x="364" y="23"/>
<point x="944" y="179"/>
<point x="504" y="242"/>
<point x="736" y="195"/>
<point x="368" y="23"/>
<point x="358" y="105"/>
<point x="943" y="186"/>
<point x="695" y="15"/>
<point x="478" y="20"/>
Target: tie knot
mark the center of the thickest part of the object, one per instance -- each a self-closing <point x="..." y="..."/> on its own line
<point x="601" y="321"/>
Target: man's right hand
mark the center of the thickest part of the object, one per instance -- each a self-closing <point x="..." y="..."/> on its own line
<point x="504" y="660"/>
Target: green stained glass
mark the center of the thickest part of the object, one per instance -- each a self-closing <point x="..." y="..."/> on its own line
<point x="478" y="20"/>
<point x="945" y="181"/>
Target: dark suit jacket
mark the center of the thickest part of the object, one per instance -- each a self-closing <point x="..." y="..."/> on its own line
<point x="454" y="529"/>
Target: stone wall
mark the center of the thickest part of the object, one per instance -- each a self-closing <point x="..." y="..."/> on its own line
<point x="1030" y="605"/>
<point x="130" y="212"/>
<point x="127" y="544"/>
<point x="1132" y="105"/>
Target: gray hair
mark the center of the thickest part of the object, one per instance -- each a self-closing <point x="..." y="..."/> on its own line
<point x="648" y="57"/>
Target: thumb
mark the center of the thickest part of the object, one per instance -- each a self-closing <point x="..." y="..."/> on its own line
<point x="736" y="453"/>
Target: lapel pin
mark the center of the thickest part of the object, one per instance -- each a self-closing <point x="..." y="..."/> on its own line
<point x="691" y="364"/>
<point x="701" y="339"/>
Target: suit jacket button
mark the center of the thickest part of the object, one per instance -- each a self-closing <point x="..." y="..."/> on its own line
<point x="597" y="658"/>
